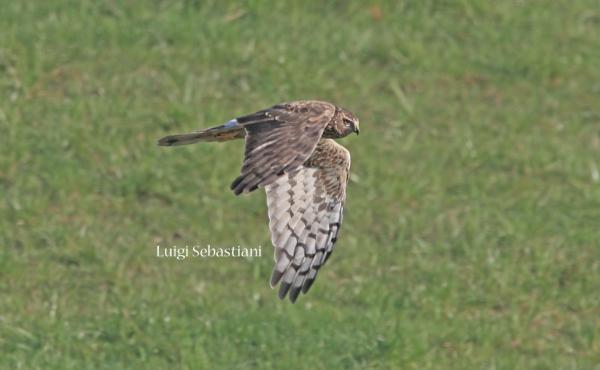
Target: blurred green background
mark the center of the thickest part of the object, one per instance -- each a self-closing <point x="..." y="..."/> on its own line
<point x="471" y="236"/>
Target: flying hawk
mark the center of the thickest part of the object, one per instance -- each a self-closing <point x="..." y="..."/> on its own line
<point x="290" y="152"/>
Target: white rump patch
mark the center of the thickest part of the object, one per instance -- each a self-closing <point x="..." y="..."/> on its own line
<point x="231" y="123"/>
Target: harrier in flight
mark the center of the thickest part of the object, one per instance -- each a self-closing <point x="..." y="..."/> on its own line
<point x="290" y="152"/>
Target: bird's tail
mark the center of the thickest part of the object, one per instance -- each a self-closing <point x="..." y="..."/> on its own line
<point x="229" y="131"/>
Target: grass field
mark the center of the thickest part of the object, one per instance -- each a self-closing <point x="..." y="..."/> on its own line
<point x="471" y="238"/>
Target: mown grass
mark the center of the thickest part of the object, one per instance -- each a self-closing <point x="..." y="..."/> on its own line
<point x="471" y="237"/>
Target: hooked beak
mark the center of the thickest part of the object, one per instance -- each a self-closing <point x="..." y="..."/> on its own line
<point x="357" y="131"/>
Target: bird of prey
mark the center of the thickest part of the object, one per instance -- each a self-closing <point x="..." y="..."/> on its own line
<point x="290" y="153"/>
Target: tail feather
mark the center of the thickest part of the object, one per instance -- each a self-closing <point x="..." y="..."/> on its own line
<point x="229" y="131"/>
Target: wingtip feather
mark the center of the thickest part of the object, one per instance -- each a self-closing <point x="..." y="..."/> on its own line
<point x="275" y="278"/>
<point x="283" y="289"/>
<point x="307" y="284"/>
<point x="294" y="293"/>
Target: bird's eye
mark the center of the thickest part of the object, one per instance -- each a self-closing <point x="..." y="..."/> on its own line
<point x="347" y="122"/>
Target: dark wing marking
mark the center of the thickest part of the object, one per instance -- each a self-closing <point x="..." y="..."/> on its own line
<point x="279" y="140"/>
<point x="305" y="215"/>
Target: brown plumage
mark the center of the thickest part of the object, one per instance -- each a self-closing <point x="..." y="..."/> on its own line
<point x="290" y="153"/>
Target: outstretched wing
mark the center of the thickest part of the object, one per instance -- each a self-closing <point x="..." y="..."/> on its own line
<point x="279" y="140"/>
<point x="305" y="215"/>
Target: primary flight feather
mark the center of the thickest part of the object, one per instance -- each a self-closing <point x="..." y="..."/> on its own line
<point x="290" y="153"/>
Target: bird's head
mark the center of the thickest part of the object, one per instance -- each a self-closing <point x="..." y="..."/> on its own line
<point x="342" y="124"/>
